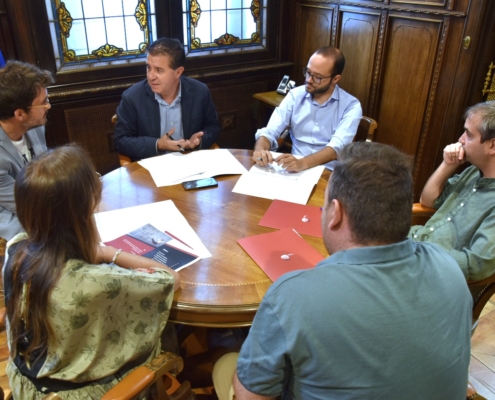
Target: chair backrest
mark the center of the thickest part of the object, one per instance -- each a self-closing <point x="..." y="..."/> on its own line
<point x="366" y="130"/>
<point x="124" y="160"/>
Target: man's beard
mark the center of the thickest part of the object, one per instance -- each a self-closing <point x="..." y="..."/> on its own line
<point x="315" y="90"/>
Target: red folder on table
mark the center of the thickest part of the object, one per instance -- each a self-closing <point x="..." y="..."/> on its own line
<point x="280" y="252"/>
<point x="303" y="218"/>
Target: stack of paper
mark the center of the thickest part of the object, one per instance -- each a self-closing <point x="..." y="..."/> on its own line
<point x="273" y="182"/>
<point x="148" y="241"/>
<point x="163" y="215"/>
<point x="174" y="168"/>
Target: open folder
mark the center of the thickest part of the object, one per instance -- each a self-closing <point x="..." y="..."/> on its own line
<point x="280" y="252"/>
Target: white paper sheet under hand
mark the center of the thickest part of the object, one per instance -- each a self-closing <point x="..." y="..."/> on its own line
<point x="272" y="183"/>
<point x="164" y="215"/>
<point x="174" y="168"/>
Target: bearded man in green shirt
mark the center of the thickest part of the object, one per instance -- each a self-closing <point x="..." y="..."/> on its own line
<point x="464" y="223"/>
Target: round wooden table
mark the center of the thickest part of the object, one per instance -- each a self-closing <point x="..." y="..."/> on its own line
<point x="224" y="290"/>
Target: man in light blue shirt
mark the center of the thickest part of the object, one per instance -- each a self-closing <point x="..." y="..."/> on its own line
<point x="322" y="117"/>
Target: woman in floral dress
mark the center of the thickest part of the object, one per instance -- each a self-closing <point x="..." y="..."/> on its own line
<point x="80" y="316"/>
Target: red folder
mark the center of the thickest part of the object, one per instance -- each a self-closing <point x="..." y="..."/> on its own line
<point x="303" y="218"/>
<point x="280" y="252"/>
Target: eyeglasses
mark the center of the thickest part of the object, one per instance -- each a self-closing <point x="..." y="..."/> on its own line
<point x="316" y="79"/>
<point x="45" y="104"/>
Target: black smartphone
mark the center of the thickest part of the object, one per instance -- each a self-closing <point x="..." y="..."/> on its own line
<point x="200" y="183"/>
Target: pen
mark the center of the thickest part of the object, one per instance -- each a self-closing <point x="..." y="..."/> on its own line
<point x="170" y="137"/>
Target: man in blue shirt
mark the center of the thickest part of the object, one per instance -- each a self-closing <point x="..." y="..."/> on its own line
<point x="322" y="117"/>
<point x="382" y="317"/>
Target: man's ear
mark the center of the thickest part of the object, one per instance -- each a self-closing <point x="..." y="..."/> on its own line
<point x="336" y="79"/>
<point x="491" y="147"/>
<point x="179" y="71"/>
<point x="19" y="114"/>
<point x="336" y="215"/>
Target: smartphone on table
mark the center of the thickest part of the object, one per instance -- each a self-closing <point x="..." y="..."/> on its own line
<point x="200" y="183"/>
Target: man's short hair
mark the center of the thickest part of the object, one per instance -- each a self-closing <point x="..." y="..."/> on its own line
<point x="337" y="57"/>
<point x="487" y="113"/>
<point x="19" y="85"/>
<point x="169" y="47"/>
<point x="373" y="183"/>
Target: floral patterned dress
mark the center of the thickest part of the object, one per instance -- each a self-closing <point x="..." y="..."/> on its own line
<point x="105" y="317"/>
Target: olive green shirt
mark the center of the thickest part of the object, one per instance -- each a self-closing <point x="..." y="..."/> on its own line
<point x="464" y="224"/>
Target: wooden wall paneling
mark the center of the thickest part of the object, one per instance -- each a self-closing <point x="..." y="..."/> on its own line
<point x="92" y="128"/>
<point x="314" y="27"/>
<point x="237" y="110"/>
<point x="454" y="80"/>
<point x="6" y="37"/>
<point x="407" y="73"/>
<point x="358" y="38"/>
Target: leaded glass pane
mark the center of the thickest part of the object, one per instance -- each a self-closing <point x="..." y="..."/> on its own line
<point x="224" y="24"/>
<point x="92" y="8"/>
<point x="75" y="7"/>
<point x="112" y="8"/>
<point x="77" y="40"/>
<point x="234" y="4"/>
<point x="100" y="31"/>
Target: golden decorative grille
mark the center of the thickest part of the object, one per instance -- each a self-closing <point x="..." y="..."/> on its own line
<point x="122" y="34"/>
<point x="203" y="23"/>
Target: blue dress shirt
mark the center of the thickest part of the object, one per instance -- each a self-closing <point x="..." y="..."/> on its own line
<point x="314" y="126"/>
<point x="171" y="115"/>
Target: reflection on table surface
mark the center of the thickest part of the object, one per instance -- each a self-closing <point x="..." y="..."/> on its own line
<point x="226" y="289"/>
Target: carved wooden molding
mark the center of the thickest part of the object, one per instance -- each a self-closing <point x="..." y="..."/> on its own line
<point x="431" y="99"/>
<point x="378" y="62"/>
<point x="223" y="73"/>
<point x="456" y="14"/>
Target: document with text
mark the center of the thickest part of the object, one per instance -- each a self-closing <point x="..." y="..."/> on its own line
<point x="273" y="182"/>
<point x="163" y="247"/>
<point x="163" y="215"/>
<point x="174" y="168"/>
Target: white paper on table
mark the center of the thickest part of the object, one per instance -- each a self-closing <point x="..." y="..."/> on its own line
<point x="163" y="215"/>
<point x="272" y="183"/>
<point x="174" y="168"/>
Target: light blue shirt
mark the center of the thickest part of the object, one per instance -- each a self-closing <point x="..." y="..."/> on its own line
<point x="314" y="126"/>
<point x="171" y="116"/>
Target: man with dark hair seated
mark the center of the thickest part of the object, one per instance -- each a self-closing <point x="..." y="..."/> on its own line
<point x="167" y="111"/>
<point x="382" y="317"/>
<point x="322" y="117"/>
<point x="24" y="107"/>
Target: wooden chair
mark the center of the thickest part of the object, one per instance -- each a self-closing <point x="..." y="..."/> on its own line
<point x="365" y="132"/>
<point x="124" y="160"/>
<point x="482" y="290"/>
<point x="157" y="377"/>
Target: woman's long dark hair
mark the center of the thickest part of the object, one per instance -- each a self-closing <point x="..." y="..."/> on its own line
<point x="56" y="195"/>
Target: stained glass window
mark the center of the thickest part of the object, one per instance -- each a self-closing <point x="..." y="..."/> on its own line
<point x="219" y="26"/>
<point x="100" y="32"/>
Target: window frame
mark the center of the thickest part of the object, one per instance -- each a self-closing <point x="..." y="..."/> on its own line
<point x="168" y="24"/>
